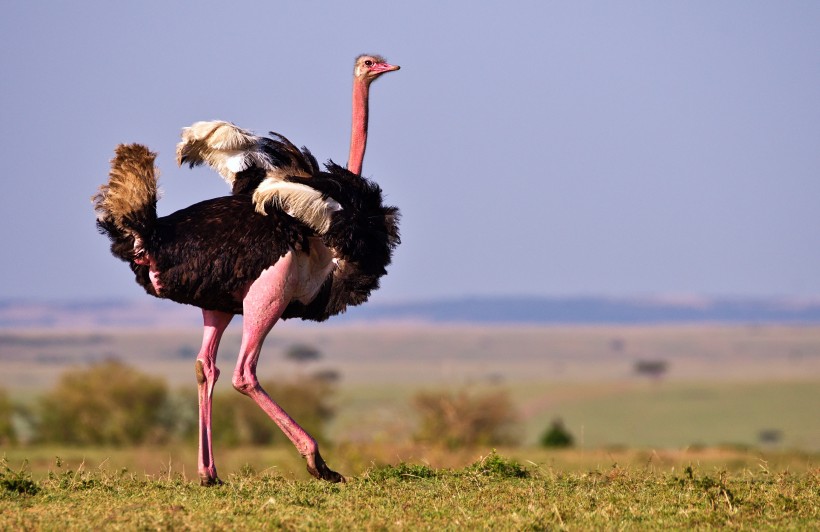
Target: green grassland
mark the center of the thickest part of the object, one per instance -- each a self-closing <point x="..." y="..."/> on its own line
<point x="725" y="385"/>
<point x="683" y="450"/>
<point x="491" y="492"/>
<point x="618" y="414"/>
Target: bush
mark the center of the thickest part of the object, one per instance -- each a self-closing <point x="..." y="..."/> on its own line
<point x="108" y="403"/>
<point x="461" y="419"/>
<point x="557" y="435"/>
<point x="7" y="433"/>
<point x="237" y="420"/>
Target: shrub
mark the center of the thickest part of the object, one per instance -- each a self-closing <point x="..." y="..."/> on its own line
<point x="7" y="432"/>
<point x="108" y="403"/>
<point x="557" y="435"/>
<point x="237" y="420"/>
<point x="461" y="419"/>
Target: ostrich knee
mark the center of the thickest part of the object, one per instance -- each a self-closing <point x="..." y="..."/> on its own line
<point x="206" y="372"/>
<point x="245" y="383"/>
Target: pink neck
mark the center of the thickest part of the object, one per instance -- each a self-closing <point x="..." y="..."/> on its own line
<point x="358" y="132"/>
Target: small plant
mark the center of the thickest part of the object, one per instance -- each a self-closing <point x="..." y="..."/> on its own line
<point x="17" y="481"/>
<point x="246" y="471"/>
<point x="70" y="480"/>
<point x="715" y="491"/>
<point x="496" y="466"/>
<point x="403" y="471"/>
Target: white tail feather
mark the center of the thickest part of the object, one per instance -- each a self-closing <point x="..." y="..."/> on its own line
<point x="300" y="201"/>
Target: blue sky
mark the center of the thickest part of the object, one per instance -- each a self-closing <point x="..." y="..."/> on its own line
<point x="541" y="148"/>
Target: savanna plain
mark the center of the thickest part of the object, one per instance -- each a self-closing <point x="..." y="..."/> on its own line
<point x="681" y="426"/>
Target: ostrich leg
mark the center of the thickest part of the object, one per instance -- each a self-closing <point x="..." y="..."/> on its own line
<point x="206" y="376"/>
<point x="264" y="303"/>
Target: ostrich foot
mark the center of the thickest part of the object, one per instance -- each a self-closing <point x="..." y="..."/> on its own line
<point x="317" y="467"/>
<point x="209" y="481"/>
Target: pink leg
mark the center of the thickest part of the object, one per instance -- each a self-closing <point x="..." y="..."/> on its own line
<point x="206" y="376"/>
<point x="263" y="304"/>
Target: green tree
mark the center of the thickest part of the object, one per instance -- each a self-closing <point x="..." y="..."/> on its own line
<point x="108" y="403"/>
<point x="557" y="435"/>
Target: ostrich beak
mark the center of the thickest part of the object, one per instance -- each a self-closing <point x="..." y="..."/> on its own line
<point x="381" y="68"/>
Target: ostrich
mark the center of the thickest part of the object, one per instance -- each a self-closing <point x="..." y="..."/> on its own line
<point x="257" y="165"/>
<point x="226" y="257"/>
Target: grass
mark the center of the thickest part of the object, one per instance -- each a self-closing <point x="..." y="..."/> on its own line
<point x="630" y="413"/>
<point x="492" y="492"/>
<point x="673" y="454"/>
<point x="428" y="354"/>
<point x="726" y="384"/>
<point x="676" y="414"/>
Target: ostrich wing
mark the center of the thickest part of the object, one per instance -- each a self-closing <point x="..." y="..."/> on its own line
<point x="261" y="166"/>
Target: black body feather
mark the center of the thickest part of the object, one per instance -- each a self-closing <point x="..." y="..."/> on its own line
<point x="206" y="254"/>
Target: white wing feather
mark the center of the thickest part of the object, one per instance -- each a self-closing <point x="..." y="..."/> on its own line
<point x="229" y="149"/>
<point x="299" y="201"/>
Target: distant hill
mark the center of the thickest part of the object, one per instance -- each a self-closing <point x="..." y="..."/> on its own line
<point x="504" y="310"/>
<point x="598" y="310"/>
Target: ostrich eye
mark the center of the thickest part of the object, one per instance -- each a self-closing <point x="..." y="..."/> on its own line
<point x="368" y="63"/>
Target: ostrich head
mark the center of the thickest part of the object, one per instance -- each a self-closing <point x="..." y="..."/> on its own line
<point x="370" y="67"/>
